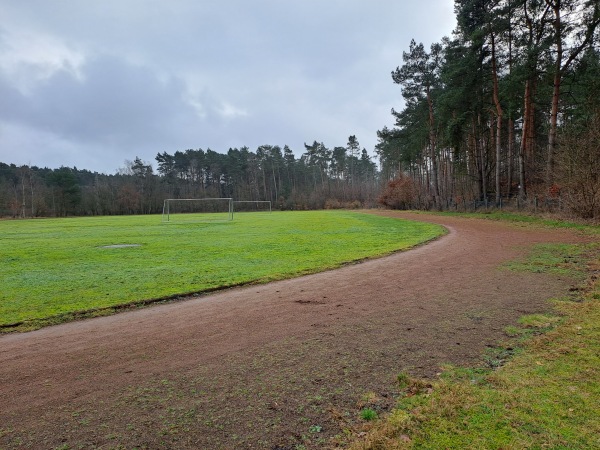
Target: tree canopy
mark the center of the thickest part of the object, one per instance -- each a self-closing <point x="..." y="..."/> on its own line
<point x="488" y="111"/>
<point x="321" y="177"/>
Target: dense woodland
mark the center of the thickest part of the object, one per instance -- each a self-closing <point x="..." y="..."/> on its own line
<point x="320" y="178"/>
<point x="505" y="112"/>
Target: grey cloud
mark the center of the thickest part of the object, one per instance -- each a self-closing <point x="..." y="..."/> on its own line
<point x="165" y="76"/>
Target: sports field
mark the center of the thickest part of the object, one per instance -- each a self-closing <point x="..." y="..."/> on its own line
<point x="57" y="267"/>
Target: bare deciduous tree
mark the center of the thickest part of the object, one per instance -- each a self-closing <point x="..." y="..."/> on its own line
<point x="578" y="171"/>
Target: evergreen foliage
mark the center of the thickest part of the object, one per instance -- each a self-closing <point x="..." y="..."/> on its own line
<point x="489" y="112"/>
<point x="343" y="177"/>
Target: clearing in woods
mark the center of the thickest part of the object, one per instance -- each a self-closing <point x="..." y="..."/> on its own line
<point x="285" y="365"/>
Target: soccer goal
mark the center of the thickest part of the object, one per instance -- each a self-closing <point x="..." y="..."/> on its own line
<point x="197" y="210"/>
<point x="252" y="206"/>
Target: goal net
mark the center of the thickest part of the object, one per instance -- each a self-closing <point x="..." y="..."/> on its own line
<point x="197" y="209"/>
<point x="251" y="206"/>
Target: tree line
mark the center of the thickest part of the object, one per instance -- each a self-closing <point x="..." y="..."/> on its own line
<point x="321" y="177"/>
<point x="506" y="110"/>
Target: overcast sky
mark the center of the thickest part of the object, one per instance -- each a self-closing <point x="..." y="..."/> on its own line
<point x="92" y="83"/>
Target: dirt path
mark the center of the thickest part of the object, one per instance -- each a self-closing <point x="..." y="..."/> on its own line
<point x="273" y="366"/>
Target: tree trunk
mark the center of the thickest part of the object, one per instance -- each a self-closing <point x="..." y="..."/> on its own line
<point x="511" y="140"/>
<point x="552" y="132"/>
<point x="498" y="158"/>
<point x="433" y="153"/>
<point x="525" y="150"/>
<point x="499" y="114"/>
<point x="555" y="96"/>
<point x="478" y="160"/>
<point x="274" y="183"/>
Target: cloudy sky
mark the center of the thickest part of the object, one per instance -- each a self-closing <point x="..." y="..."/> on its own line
<point x="92" y="83"/>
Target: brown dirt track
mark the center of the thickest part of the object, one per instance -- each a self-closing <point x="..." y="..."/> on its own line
<point x="272" y="366"/>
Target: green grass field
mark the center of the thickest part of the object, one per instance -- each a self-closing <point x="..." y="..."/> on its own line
<point x="54" y="268"/>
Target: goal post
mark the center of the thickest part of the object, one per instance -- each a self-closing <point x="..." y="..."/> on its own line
<point x="197" y="209"/>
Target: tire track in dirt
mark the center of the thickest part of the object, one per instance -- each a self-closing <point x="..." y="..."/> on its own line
<point x="276" y="365"/>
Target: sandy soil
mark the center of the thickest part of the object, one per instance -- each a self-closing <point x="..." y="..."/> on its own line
<point x="276" y="366"/>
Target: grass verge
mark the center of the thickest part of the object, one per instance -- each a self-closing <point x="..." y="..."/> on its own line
<point x="542" y="394"/>
<point x="56" y="270"/>
<point x="527" y="219"/>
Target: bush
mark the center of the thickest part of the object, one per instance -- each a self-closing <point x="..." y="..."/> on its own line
<point x="399" y="193"/>
<point x="332" y="203"/>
